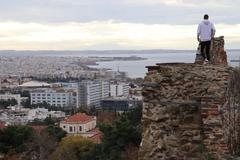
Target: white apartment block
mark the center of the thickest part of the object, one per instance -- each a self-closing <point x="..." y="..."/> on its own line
<point x="17" y="97"/>
<point x="119" y="89"/>
<point x="53" y="97"/>
<point x="89" y="93"/>
<point x="105" y="89"/>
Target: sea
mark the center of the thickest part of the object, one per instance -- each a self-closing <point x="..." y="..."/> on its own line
<point x="135" y="69"/>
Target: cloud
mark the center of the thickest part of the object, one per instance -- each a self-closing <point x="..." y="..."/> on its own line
<point x="191" y="3"/>
<point x="105" y="35"/>
<point x="133" y="11"/>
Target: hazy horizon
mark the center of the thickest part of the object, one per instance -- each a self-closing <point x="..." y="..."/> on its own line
<point x="91" y="50"/>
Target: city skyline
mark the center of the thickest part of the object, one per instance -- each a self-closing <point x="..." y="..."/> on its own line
<point x="113" y="25"/>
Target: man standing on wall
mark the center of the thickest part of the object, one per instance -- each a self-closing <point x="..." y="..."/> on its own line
<point x="205" y="33"/>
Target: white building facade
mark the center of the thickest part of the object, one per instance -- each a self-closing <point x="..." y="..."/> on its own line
<point x="54" y="98"/>
<point x="105" y="89"/>
<point x="42" y="113"/>
<point x="119" y="89"/>
<point x="90" y="93"/>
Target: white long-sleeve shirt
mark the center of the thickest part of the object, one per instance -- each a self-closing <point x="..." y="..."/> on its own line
<point x="205" y="30"/>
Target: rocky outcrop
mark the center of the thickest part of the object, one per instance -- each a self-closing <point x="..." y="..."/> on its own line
<point x="191" y="111"/>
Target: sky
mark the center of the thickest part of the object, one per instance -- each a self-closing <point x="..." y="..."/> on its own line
<point x="113" y="24"/>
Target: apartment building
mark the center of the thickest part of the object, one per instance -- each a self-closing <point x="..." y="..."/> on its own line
<point x="119" y="89"/>
<point x="90" y="93"/>
<point x="58" y="98"/>
<point x="105" y="89"/>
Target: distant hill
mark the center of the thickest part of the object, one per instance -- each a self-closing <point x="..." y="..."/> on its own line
<point x="89" y="52"/>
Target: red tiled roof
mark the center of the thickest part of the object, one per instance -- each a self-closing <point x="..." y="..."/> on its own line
<point x="80" y="118"/>
<point x="95" y="130"/>
<point x="97" y="135"/>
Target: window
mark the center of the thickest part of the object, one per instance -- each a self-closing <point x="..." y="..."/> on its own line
<point x="70" y="129"/>
<point x="64" y="126"/>
<point x="80" y="128"/>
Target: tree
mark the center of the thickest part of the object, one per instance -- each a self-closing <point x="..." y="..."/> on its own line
<point x="5" y="103"/>
<point x="46" y="122"/>
<point x="118" y="136"/>
<point x="44" y="144"/>
<point x="26" y="103"/>
<point x="134" y="115"/>
<point x="15" y="138"/>
<point x="73" y="148"/>
<point x="49" y="121"/>
<point x="122" y="138"/>
<point x="55" y="132"/>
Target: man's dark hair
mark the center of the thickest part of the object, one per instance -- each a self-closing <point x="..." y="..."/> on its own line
<point x="205" y="16"/>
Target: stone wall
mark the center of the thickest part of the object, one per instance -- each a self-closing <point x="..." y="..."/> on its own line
<point x="191" y="111"/>
<point x="231" y="112"/>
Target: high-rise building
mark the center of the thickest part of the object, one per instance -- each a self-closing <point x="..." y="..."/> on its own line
<point x="105" y="89"/>
<point x="119" y="89"/>
<point x="90" y="93"/>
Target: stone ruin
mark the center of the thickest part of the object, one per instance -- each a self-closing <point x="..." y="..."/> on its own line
<point x="191" y="111"/>
<point x="218" y="55"/>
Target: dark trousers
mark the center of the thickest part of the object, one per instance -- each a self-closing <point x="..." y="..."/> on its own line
<point x="205" y="46"/>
